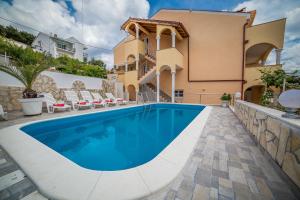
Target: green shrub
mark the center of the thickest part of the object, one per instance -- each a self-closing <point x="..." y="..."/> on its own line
<point x="226" y="97"/>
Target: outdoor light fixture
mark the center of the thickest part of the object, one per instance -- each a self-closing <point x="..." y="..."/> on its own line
<point x="290" y="100"/>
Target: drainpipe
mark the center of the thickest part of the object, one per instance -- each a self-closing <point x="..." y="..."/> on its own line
<point x="243" y="61"/>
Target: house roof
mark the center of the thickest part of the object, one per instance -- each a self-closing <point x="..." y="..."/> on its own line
<point x="150" y="25"/>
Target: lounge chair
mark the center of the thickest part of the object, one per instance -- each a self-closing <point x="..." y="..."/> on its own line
<point x="86" y="96"/>
<point x="53" y="105"/>
<point x="3" y="115"/>
<point x="72" y="98"/>
<point x="98" y="97"/>
<point x="119" y="101"/>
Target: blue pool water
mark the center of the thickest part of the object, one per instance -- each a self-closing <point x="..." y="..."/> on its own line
<point x="115" y="140"/>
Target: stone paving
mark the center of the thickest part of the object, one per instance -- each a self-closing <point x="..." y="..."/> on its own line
<point x="227" y="164"/>
<point x="14" y="184"/>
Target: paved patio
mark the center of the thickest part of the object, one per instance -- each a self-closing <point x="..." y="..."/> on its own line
<point x="226" y="164"/>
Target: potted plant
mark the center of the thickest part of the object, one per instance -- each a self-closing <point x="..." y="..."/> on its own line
<point x="25" y="65"/>
<point x="225" y="98"/>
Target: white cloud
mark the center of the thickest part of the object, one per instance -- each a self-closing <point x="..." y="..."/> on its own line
<point x="97" y="24"/>
<point x="276" y="9"/>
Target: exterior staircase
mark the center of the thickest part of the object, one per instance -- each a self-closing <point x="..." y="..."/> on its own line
<point x="148" y="76"/>
<point x="148" y="91"/>
<point x="150" y="58"/>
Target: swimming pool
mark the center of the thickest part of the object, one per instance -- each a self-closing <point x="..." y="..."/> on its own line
<point x="115" y="140"/>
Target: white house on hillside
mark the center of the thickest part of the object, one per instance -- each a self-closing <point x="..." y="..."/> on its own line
<point x="58" y="47"/>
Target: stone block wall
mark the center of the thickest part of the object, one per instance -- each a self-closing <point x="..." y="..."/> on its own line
<point x="9" y="95"/>
<point x="278" y="137"/>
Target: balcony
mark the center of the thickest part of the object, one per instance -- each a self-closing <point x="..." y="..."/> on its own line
<point x="169" y="57"/>
<point x="69" y="50"/>
<point x="134" y="47"/>
<point x="252" y="74"/>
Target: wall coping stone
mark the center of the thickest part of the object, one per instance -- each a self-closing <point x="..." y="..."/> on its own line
<point x="277" y="114"/>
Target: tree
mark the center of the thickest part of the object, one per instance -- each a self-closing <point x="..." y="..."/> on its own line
<point x="277" y="79"/>
<point x="13" y="33"/>
<point x="25" y="65"/>
<point x="73" y="66"/>
<point x="100" y="63"/>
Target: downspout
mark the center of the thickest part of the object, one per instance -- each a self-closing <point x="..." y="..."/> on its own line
<point x="188" y="59"/>
<point x="243" y="61"/>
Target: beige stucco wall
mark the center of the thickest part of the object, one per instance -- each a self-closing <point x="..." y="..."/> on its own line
<point x="216" y="53"/>
<point x="271" y="32"/>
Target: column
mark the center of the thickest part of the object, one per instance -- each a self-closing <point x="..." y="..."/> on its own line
<point x="157" y="43"/>
<point x="136" y="64"/>
<point x="137" y="96"/>
<point x="126" y="66"/>
<point x="137" y="36"/>
<point x="173" y="39"/>
<point x="278" y="56"/>
<point x="173" y="86"/>
<point x="157" y="86"/>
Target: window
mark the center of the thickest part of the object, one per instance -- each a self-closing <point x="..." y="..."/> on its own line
<point x="179" y="93"/>
<point x="61" y="46"/>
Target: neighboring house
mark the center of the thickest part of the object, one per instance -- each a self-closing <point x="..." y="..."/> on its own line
<point x="58" y="47"/>
<point x="195" y="56"/>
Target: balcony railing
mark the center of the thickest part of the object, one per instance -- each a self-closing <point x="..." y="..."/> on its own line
<point x="72" y="50"/>
<point x="134" y="47"/>
<point x="169" y="57"/>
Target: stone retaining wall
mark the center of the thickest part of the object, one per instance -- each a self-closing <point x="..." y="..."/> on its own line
<point x="9" y="95"/>
<point x="278" y="136"/>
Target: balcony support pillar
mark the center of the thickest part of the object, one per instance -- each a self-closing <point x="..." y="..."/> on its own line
<point x="126" y="66"/>
<point x="157" y="86"/>
<point x="137" y="30"/>
<point x="173" y="39"/>
<point x="136" y="64"/>
<point x="173" y="85"/>
<point x="278" y="56"/>
<point x="157" y="43"/>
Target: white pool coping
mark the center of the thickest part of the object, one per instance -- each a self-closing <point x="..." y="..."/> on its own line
<point x="59" y="178"/>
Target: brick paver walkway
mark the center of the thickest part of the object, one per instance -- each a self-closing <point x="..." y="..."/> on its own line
<point x="226" y="164"/>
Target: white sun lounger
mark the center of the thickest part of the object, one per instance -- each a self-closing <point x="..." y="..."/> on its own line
<point x="3" y="115"/>
<point x="52" y="104"/>
<point x="86" y="96"/>
<point x="73" y="99"/>
<point x="119" y="101"/>
<point x="98" y="97"/>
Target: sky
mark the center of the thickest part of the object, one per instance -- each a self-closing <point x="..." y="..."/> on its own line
<point x="97" y="22"/>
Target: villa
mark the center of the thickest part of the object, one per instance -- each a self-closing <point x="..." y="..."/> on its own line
<point x="195" y="56"/>
<point x="57" y="46"/>
<point x="154" y="129"/>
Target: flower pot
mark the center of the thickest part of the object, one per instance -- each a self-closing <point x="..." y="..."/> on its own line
<point x="32" y="106"/>
<point x="225" y="104"/>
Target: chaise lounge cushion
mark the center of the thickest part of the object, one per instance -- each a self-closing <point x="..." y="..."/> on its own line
<point x="59" y="104"/>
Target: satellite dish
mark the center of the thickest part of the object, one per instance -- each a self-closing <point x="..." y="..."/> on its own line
<point x="290" y="99"/>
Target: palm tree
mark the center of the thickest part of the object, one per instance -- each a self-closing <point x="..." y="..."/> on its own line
<point x="25" y="65"/>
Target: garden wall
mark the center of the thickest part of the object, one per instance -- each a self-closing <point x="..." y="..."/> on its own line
<point x="54" y="83"/>
<point x="278" y="136"/>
